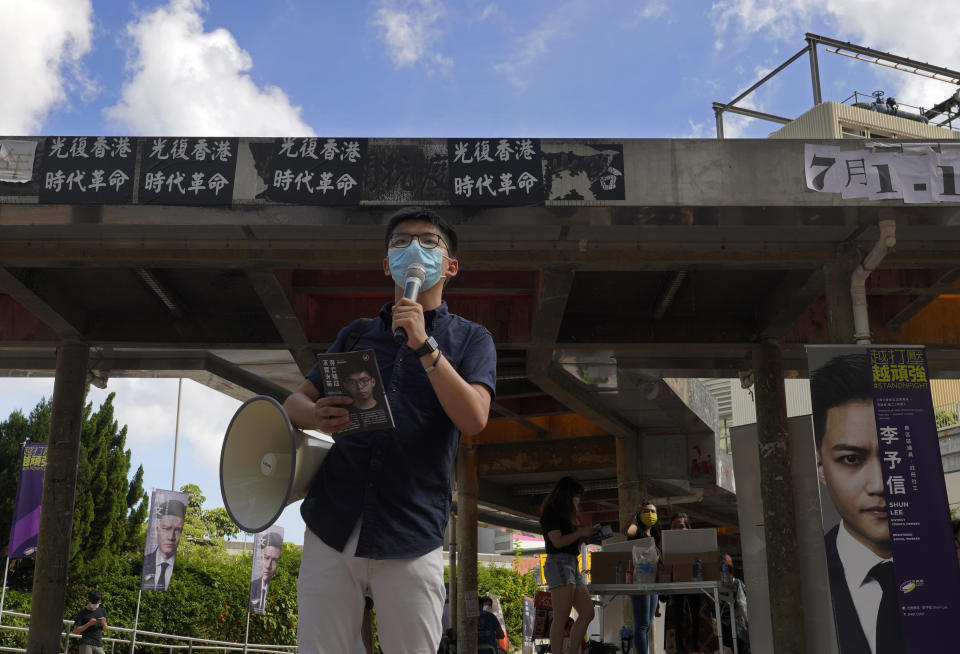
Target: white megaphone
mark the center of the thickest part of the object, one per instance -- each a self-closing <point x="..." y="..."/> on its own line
<point x="265" y="463"/>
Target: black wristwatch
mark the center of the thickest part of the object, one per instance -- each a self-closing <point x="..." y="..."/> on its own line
<point x="429" y="346"/>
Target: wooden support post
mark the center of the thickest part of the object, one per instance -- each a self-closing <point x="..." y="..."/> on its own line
<point x="779" y="511"/>
<point x="468" y="608"/>
<point x="839" y="302"/>
<point x="59" y="489"/>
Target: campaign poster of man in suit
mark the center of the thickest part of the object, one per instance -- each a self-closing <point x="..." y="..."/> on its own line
<point x="850" y="468"/>
<point x="894" y="582"/>
<point x="168" y="512"/>
<point x="266" y="555"/>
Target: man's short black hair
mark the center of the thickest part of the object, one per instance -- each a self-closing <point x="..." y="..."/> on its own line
<point x="356" y="367"/>
<point x="271" y="539"/>
<point x="843" y="379"/>
<point x="486" y="599"/>
<point x="425" y="215"/>
<point x="175" y="508"/>
<point x="94" y="597"/>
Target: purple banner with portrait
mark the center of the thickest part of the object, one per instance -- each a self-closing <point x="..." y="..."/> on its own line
<point x="891" y="562"/>
<point x="26" y="510"/>
<point x="926" y="571"/>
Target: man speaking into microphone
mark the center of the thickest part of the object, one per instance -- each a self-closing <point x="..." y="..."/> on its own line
<point x="377" y="509"/>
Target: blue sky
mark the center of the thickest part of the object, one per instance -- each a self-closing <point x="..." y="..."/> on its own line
<point x="418" y="68"/>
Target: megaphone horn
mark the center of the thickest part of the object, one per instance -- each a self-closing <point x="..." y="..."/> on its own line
<point x="265" y="463"/>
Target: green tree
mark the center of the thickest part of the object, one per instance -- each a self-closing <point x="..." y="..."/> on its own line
<point x="510" y="587"/>
<point x="109" y="510"/>
<point x="208" y="526"/>
<point x="107" y="516"/>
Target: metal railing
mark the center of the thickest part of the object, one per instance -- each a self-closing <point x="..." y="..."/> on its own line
<point x="115" y="645"/>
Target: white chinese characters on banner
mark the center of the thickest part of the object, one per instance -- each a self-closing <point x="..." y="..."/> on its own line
<point x="918" y="174"/>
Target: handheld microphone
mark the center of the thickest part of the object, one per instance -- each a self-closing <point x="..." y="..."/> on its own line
<point x="413" y="278"/>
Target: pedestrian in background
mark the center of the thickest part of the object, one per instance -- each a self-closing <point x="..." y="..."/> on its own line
<point x="90" y="623"/>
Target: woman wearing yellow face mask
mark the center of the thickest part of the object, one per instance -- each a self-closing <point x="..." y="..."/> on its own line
<point x="643" y="525"/>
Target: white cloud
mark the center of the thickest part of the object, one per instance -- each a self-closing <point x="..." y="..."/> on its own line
<point x="204" y="417"/>
<point x="537" y="43"/>
<point x="147" y="407"/>
<point x="188" y="81"/>
<point x="917" y="33"/>
<point x="487" y="12"/>
<point x="411" y="32"/>
<point x="43" y="41"/>
<point x="652" y="9"/>
<point x="698" y="130"/>
<point x="778" y="19"/>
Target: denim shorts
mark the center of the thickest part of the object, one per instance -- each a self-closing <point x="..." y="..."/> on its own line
<point x="561" y="570"/>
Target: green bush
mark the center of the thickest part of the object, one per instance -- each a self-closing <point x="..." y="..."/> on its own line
<point x="510" y="587"/>
<point x="20" y="602"/>
<point x="945" y="418"/>
<point x="207" y="597"/>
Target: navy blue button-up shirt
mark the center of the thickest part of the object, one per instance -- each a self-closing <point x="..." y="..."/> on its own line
<point x="398" y="480"/>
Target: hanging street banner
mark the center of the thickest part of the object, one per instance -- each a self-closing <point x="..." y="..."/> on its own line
<point x="194" y="171"/>
<point x="495" y="172"/>
<point x="891" y="562"/>
<point x="528" y="618"/>
<point x="267" y="547"/>
<point x="339" y="171"/>
<point x="913" y="172"/>
<point x="88" y="170"/>
<point x="326" y="171"/>
<point x="26" y="509"/>
<point x="168" y="512"/>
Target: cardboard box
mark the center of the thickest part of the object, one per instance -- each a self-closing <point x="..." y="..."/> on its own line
<point x="681" y="547"/>
<point x="689" y="541"/>
<point x="603" y="566"/>
<point x="681" y="565"/>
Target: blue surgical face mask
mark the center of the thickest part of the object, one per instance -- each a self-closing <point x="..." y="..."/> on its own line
<point x="431" y="260"/>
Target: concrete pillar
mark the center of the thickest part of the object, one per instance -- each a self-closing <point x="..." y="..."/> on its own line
<point x="839" y="303"/>
<point x="468" y="608"/>
<point x="454" y="585"/>
<point x="779" y="512"/>
<point x="628" y="496"/>
<point x="59" y="489"/>
<point x="628" y="478"/>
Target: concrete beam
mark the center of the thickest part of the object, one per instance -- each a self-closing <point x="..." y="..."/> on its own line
<point x="719" y="329"/>
<point x="944" y="285"/>
<point x="27" y="298"/>
<point x="277" y="304"/>
<point x="549" y="456"/>
<point x="789" y="301"/>
<point x="545" y="373"/>
<point x="567" y="425"/>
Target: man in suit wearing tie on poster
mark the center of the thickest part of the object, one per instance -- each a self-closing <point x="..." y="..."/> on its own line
<point x="859" y="551"/>
<point x="168" y="528"/>
<point x="271" y="544"/>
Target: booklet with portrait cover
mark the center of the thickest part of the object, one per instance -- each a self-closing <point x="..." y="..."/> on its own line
<point x="356" y="375"/>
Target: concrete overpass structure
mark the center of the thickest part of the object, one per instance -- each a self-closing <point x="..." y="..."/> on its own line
<point x="622" y="264"/>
